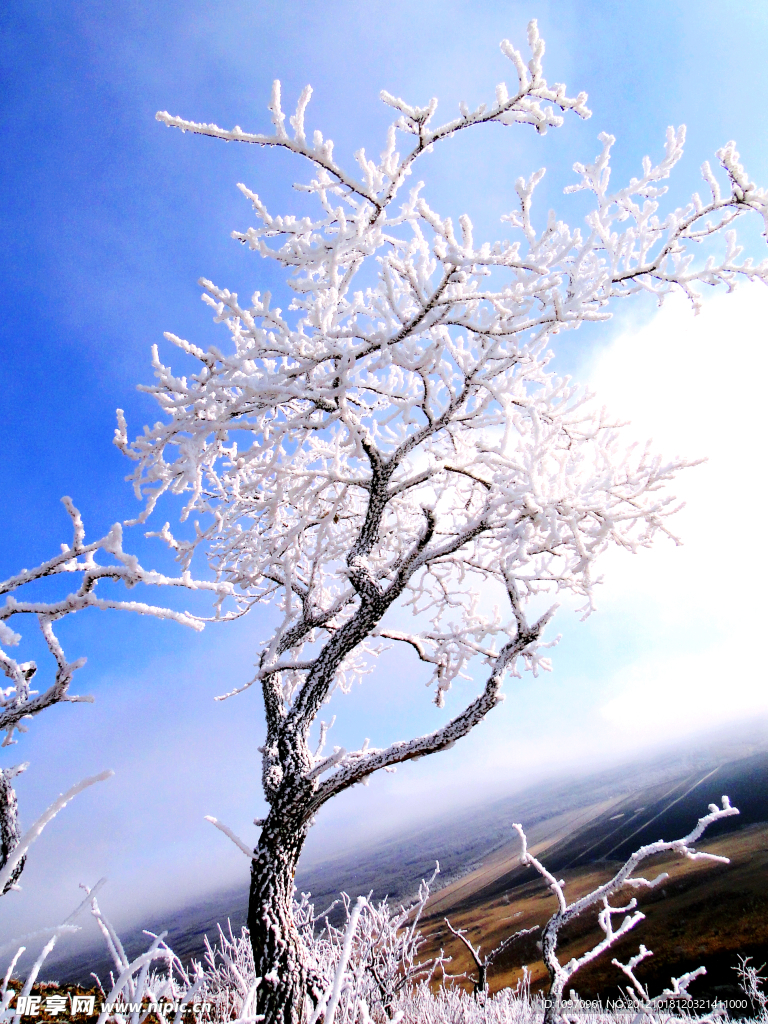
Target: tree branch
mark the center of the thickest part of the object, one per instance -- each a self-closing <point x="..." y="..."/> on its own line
<point x="441" y="739"/>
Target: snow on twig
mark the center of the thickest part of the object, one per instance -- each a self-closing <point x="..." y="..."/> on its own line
<point x="34" y="830"/>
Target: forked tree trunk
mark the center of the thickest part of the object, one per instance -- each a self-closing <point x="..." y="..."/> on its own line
<point x="280" y="956"/>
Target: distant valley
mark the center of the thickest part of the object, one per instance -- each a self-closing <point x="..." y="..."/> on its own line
<point x="581" y="830"/>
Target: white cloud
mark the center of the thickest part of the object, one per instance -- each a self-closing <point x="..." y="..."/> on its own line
<point x="697" y="385"/>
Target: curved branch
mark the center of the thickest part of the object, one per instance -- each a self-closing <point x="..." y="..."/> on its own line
<point x="16" y="855"/>
<point x="441" y="739"/>
<point x="236" y="134"/>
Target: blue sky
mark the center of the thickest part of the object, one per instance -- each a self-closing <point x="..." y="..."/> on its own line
<point x="110" y="219"/>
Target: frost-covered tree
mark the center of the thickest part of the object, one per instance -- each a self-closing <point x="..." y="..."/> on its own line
<point x="395" y="441"/>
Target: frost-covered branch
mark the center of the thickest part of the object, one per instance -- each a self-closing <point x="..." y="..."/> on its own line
<point x="560" y="974"/>
<point x="230" y="835"/>
<point x="357" y="767"/>
<point x="383" y="180"/>
<point x="752" y="983"/>
<point x="639" y="994"/>
<point x="482" y="963"/>
<point x="8" y="1013"/>
<point x="77" y="559"/>
<point x="13" y="862"/>
<point x="84" y="566"/>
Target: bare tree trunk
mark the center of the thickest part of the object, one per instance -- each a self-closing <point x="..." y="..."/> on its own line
<point x="279" y="953"/>
<point x="481" y="986"/>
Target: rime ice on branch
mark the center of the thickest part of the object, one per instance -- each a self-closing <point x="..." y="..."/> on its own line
<point x="395" y="439"/>
<point x="627" y="916"/>
<point x="88" y="563"/>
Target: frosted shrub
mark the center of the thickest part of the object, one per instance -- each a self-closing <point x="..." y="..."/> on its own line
<point x="229" y="978"/>
<point x="752" y="981"/>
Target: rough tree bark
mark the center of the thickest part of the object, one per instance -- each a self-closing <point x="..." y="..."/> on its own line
<point x="10" y="831"/>
<point x="280" y="958"/>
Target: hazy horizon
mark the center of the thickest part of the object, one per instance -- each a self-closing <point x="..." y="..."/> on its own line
<point x="331" y="861"/>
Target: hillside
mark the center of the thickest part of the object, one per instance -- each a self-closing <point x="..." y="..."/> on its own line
<point x="581" y="829"/>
